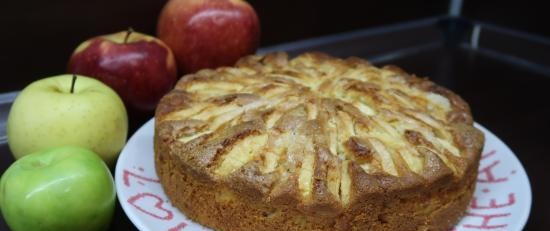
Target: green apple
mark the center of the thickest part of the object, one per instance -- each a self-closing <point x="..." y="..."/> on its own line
<point x="58" y="111"/>
<point x="58" y="189"/>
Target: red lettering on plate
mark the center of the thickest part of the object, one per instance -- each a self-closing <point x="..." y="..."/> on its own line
<point x="151" y="211"/>
<point x="493" y="203"/>
<point x="486" y="219"/>
<point x="489" y="154"/>
<point x="179" y="227"/>
<point x="489" y="175"/>
<point x="126" y="178"/>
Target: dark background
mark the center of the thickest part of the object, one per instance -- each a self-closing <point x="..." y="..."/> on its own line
<point x="39" y="36"/>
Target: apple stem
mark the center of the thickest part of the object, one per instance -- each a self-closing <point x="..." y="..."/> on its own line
<point x="72" y="83"/>
<point x="128" y="32"/>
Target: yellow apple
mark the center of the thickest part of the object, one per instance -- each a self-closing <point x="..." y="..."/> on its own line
<point x="67" y="110"/>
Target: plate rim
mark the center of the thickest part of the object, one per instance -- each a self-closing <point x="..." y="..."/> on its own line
<point x="139" y="223"/>
<point x="524" y="217"/>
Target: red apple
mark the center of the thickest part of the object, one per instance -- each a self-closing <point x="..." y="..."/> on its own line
<point x="208" y="33"/>
<point x="139" y="67"/>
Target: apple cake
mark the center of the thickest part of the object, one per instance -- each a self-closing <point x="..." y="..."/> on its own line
<point x="316" y="143"/>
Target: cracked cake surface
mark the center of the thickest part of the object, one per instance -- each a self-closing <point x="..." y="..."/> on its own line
<point x="316" y="143"/>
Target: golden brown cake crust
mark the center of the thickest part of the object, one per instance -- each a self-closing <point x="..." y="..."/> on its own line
<point x="316" y="143"/>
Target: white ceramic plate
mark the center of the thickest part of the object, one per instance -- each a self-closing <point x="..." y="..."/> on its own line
<point x="502" y="200"/>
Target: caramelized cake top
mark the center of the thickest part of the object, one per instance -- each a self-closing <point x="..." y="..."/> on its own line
<point x="317" y="129"/>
